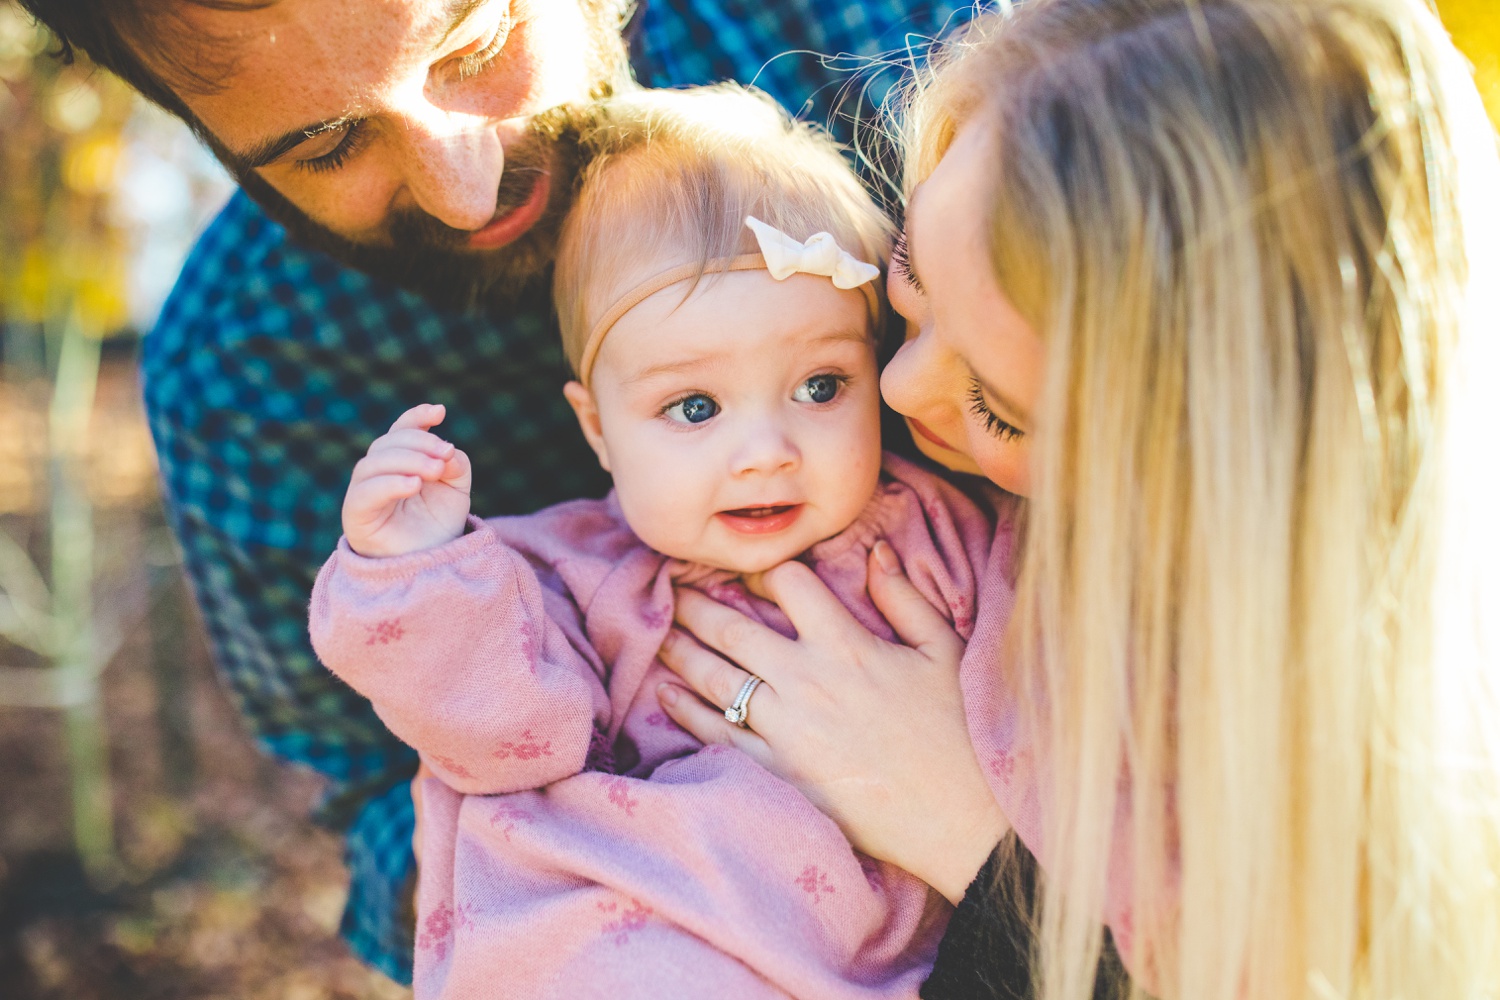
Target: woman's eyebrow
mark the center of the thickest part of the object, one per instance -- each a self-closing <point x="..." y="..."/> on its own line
<point x="268" y="151"/>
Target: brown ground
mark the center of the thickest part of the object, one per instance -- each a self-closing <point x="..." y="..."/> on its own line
<point x="227" y="890"/>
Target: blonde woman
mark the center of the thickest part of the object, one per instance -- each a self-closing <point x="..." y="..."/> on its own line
<point x="1211" y="282"/>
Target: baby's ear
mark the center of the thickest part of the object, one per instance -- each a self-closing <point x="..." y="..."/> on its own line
<point x="587" y="412"/>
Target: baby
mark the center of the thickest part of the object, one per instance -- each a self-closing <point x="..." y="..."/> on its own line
<point x="579" y="843"/>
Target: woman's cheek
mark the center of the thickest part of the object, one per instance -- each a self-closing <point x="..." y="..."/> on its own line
<point x="1005" y="463"/>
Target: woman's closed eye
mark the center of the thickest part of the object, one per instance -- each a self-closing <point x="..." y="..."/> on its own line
<point x="694" y="408"/>
<point x="901" y="265"/>
<point x="1002" y="429"/>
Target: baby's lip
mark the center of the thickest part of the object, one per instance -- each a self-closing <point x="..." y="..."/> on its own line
<point x="759" y="509"/>
<point x="760" y="519"/>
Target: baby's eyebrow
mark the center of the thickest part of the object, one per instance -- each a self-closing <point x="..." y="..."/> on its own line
<point x="671" y="368"/>
<point x="690" y="365"/>
<point x="858" y="336"/>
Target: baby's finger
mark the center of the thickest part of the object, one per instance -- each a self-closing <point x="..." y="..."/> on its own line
<point x="457" y="471"/>
<point x="370" y="500"/>
<point x="421" y="417"/>
<point x="708" y="724"/>
<point x="400" y="462"/>
<point x="423" y="441"/>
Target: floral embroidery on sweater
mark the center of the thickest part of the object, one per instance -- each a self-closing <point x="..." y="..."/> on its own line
<point x="506" y="816"/>
<point x="440" y="926"/>
<point x="452" y="766"/>
<point x="385" y="632"/>
<point x="524" y="747"/>
<point x="814" y="881"/>
<point x="619" y="795"/>
<point x="630" y="920"/>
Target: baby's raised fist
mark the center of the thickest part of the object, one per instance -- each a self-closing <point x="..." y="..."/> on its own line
<point x="410" y="491"/>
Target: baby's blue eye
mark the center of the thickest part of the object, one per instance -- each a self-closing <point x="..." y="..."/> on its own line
<point x="818" y="389"/>
<point x="693" y="409"/>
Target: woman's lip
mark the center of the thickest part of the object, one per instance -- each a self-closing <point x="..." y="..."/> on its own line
<point x="767" y="524"/>
<point x="508" y="227"/>
<point x="921" y="429"/>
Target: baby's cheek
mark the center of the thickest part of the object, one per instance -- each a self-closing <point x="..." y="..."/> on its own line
<point x="657" y="506"/>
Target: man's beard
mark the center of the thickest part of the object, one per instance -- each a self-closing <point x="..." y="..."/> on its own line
<point x="419" y="253"/>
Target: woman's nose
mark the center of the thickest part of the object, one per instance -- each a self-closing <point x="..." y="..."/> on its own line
<point x="454" y="163"/>
<point x="911" y="381"/>
<point x="766" y="449"/>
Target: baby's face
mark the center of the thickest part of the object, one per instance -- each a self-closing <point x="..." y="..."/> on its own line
<point x="742" y="426"/>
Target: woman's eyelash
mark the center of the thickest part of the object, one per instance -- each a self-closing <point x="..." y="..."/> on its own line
<point x="475" y="63"/>
<point x="353" y="140"/>
<point x="901" y="263"/>
<point x="999" y="428"/>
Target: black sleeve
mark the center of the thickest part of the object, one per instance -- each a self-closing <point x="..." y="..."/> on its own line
<point x="986" y="952"/>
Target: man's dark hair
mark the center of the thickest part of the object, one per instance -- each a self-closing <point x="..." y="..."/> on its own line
<point x="150" y="45"/>
<point x="114" y="33"/>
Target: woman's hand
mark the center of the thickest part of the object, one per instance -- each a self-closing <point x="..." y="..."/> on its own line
<point x="872" y="732"/>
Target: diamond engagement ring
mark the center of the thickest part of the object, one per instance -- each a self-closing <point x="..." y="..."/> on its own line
<point x="739" y="712"/>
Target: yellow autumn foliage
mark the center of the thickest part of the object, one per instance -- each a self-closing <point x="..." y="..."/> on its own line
<point x="1475" y="25"/>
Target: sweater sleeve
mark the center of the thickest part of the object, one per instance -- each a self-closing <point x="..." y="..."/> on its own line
<point x="466" y="657"/>
<point x="987" y="950"/>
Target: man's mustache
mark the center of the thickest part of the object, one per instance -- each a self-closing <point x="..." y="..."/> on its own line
<point x="412" y="227"/>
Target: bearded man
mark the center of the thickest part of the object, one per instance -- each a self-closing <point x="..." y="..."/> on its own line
<point x="404" y="167"/>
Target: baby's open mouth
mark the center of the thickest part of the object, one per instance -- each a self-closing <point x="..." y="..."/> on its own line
<point x="761" y="511"/>
<point x="762" y="519"/>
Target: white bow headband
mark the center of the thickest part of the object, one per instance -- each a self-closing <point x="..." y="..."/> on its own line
<point x="780" y="254"/>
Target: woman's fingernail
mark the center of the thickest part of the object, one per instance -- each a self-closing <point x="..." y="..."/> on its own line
<point x="667" y="694"/>
<point x="886" y="556"/>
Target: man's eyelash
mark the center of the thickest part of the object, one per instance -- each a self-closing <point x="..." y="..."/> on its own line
<point x="1001" y="429"/>
<point x="901" y="263"/>
<point x="352" y="142"/>
<point x="475" y="63"/>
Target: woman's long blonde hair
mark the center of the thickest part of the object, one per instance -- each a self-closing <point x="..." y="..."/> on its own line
<point x="1258" y="240"/>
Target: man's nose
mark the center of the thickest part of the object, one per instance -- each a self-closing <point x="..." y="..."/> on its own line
<point x="766" y="448"/>
<point x="453" y="166"/>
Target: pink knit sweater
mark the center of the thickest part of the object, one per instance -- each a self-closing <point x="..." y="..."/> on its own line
<point x="580" y="844"/>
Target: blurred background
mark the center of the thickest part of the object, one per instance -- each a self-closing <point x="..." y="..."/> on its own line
<point x="147" y="850"/>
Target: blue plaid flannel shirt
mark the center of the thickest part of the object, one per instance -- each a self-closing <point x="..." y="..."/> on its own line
<point x="273" y="367"/>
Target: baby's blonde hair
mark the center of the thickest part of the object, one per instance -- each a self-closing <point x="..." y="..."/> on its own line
<point x="672" y="175"/>
<point x="1258" y="240"/>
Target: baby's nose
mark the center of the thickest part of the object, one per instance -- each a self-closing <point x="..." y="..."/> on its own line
<point x="767" y="448"/>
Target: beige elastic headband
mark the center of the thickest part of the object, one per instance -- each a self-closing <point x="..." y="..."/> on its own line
<point x="781" y="255"/>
